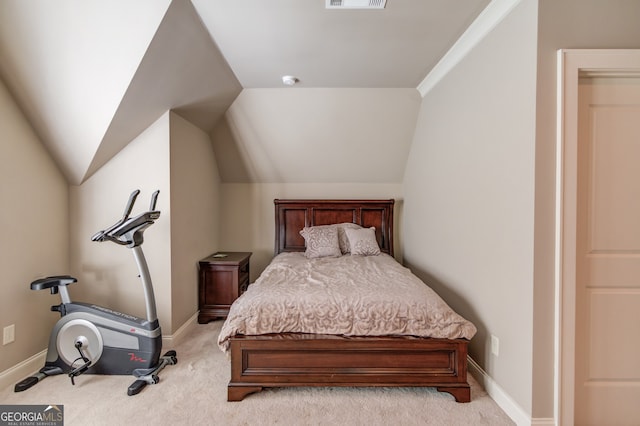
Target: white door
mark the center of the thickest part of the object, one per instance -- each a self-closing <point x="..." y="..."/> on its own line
<point x="607" y="337"/>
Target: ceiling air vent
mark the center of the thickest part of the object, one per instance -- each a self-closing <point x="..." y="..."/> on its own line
<point x="356" y="4"/>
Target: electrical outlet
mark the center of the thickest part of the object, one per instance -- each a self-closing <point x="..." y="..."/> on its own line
<point x="495" y="345"/>
<point x="9" y="334"/>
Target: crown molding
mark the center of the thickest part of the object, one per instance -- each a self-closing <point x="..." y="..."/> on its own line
<point x="491" y="16"/>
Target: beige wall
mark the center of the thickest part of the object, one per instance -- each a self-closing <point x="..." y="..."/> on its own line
<point x="107" y="272"/>
<point x="469" y="196"/>
<point x="563" y="24"/>
<point x="34" y="229"/>
<point x="247" y="213"/>
<point x="175" y="157"/>
<point x="195" y="213"/>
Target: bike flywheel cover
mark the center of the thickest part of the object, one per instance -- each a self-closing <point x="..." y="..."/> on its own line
<point x="84" y="332"/>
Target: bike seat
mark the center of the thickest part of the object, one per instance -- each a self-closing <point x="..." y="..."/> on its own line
<point x="50" y="282"/>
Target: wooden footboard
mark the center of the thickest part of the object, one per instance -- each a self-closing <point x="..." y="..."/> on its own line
<point x="321" y="360"/>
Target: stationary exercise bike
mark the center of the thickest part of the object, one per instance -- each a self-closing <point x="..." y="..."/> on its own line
<point x="96" y="340"/>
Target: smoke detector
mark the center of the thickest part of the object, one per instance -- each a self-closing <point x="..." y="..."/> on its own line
<point x="289" y="80"/>
<point x="356" y="4"/>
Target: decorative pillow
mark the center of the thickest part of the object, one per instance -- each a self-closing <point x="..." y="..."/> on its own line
<point x="343" y="240"/>
<point x="321" y="241"/>
<point x="363" y="241"/>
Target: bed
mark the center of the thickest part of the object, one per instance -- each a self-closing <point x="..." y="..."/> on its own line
<point x="284" y="359"/>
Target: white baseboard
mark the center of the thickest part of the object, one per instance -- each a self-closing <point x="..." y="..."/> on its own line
<point x="175" y="338"/>
<point x="504" y="401"/>
<point x="543" y="422"/>
<point x="24" y="369"/>
<point x="29" y="366"/>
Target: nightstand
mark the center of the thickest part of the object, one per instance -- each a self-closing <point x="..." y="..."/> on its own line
<point x="222" y="278"/>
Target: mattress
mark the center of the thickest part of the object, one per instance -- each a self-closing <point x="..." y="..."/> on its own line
<point x="347" y="296"/>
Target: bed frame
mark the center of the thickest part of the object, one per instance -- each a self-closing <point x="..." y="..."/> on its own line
<point x="289" y="359"/>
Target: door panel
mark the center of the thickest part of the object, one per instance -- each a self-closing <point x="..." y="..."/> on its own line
<point x="607" y="376"/>
<point x="613" y="313"/>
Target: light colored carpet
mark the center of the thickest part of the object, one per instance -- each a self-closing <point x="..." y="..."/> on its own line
<point x="194" y="392"/>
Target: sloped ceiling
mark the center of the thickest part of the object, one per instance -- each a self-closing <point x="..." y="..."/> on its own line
<point x="91" y="75"/>
<point x="395" y="47"/>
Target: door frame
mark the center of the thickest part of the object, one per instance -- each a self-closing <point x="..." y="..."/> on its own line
<point x="573" y="64"/>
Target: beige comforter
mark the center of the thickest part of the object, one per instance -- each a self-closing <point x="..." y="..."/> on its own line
<point x="348" y="295"/>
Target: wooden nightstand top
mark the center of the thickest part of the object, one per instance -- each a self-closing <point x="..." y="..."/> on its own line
<point x="231" y="258"/>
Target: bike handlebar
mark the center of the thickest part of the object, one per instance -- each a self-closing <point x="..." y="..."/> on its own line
<point x="129" y="207"/>
<point x="154" y="200"/>
<point x="125" y="225"/>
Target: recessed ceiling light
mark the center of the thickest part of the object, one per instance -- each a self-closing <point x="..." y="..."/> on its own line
<point x="289" y="80"/>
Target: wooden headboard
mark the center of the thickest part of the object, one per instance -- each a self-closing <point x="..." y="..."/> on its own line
<point x="293" y="215"/>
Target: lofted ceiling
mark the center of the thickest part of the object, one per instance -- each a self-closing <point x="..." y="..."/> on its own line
<point x="90" y="75"/>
